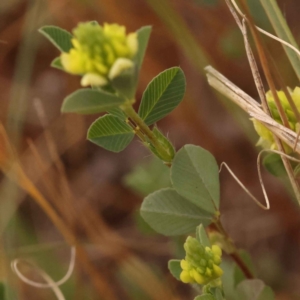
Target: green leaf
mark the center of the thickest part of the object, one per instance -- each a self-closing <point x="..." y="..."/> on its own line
<point x="143" y="35"/>
<point x="141" y="225"/>
<point x="228" y="280"/>
<point x="205" y="297"/>
<point x="202" y="237"/>
<point x="175" y="268"/>
<point x="162" y="95"/>
<point x="217" y="293"/>
<point x="56" y="63"/>
<point x="110" y="133"/>
<point x="117" y="112"/>
<point x="273" y="163"/>
<point x="88" y="101"/>
<point x="195" y="176"/>
<point x="148" y="177"/>
<point x="254" y="289"/>
<point x="125" y="83"/>
<point x="60" y="38"/>
<point x="170" y="214"/>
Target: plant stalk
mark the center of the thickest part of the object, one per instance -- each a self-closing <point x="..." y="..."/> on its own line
<point x="234" y="254"/>
<point x="143" y="127"/>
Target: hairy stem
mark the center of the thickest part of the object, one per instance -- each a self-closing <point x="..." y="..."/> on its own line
<point x="143" y="127"/>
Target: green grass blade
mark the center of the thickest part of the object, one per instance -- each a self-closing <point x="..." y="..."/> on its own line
<point x="60" y="38"/>
<point x="110" y="133"/>
<point x="162" y="95"/>
<point x="282" y="31"/>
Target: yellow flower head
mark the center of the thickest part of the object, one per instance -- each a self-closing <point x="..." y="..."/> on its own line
<point x="99" y="53"/>
<point x="266" y="139"/>
<point x="201" y="264"/>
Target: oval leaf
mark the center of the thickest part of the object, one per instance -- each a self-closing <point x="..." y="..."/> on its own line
<point x="254" y="289"/>
<point x="162" y="95"/>
<point x="56" y="63"/>
<point x="195" y="176"/>
<point x="170" y="214"/>
<point x="117" y="112"/>
<point x="88" y="101"/>
<point x="110" y="133"/>
<point x="202" y="237"/>
<point x="60" y="38"/>
<point x="143" y="35"/>
<point x="175" y="268"/>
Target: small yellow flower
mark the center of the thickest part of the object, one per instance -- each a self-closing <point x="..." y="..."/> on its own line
<point x="266" y="139"/>
<point x="100" y="54"/>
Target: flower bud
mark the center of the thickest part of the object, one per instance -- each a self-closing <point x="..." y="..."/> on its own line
<point x="201" y="265"/>
<point x="266" y="139"/>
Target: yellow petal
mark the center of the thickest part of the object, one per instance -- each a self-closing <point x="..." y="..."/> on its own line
<point x="199" y="278"/>
<point x="185" y="265"/>
<point x="218" y="271"/>
<point x="120" y="65"/>
<point x="132" y="43"/>
<point x="185" y="277"/>
<point x="93" y="79"/>
<point x="216" y="250"/>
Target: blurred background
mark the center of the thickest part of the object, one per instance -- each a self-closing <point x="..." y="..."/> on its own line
<point x="98" y="193"/>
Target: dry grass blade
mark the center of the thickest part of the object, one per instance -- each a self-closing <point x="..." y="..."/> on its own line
<point x="50" y="282"/>
<point x="277" y="74"/>
<point x="270" y="80"/>
<point x="234" y="93"/>
<point x="113" y="246"/>
<point x="265" y="207"/>
<point x="11" y="167"/>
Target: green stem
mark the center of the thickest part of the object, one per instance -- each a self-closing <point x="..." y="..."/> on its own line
<point x="143" y="127"/>
<point x="234" y="253"/>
